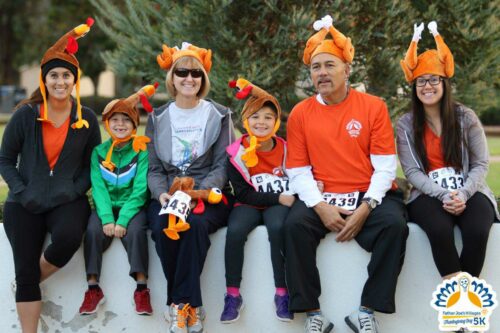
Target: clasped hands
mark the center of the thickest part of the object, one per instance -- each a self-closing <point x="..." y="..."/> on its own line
<point x="347" y="227"/>
<point x="454" y="203"/>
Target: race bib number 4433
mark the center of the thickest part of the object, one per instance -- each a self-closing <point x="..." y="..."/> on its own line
<point x="447" y="178"/>
<point x="343" y="200"/>
<point x="266" y="182"/>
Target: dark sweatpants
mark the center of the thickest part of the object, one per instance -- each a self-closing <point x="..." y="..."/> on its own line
<point x="242" y="220"/>
<point x="384" y="234"/>
<point x="475" y="223"/>
<point x="135" y="243"/>
<point x="26" y="233"/>
<point x="182" y="260"/>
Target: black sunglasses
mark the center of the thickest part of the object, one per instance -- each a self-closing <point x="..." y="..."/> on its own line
<point x="184" y="72"/>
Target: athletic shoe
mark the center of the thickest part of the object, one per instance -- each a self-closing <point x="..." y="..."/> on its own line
<point x="232" y="307"/>
<point x="281" y="303"/>
<point x="142" y="302"/>
<point x="318" y="324"/>
<point x="93" y="298"/>
<point x="178" y="318"/>
<point x="195" y="318"/>
<point x="362" y="322"/>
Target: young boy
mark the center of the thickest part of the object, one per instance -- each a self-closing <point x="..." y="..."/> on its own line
<point x="119" y="189"/>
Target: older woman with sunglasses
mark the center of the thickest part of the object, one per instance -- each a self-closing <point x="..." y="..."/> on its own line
<point x="444" y="155"/>
<point x="188" y="138"/>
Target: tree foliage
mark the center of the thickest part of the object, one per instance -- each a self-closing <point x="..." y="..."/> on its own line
<point x="263" y="41"/>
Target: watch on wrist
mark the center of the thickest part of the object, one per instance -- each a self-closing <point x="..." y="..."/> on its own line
<point x="372" y="203"/>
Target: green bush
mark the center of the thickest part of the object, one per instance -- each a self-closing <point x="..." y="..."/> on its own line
<point x="490" y="116"/>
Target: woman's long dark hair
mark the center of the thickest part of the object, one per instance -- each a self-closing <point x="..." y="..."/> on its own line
<point x="35" y="98"/>
<point x="451" y="133"/>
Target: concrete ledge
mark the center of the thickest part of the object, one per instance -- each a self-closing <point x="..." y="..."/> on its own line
<point x="342" y="268"/>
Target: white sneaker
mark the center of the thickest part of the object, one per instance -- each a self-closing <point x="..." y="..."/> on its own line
<point x="178" y="318"/>
<point x="195" y="318"/>
<point x="362" y="322"/>
<point x="318" y="324"/>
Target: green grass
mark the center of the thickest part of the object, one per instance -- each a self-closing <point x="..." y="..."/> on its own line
<point x="494" y="145"/>
<point x="493" y="178"/>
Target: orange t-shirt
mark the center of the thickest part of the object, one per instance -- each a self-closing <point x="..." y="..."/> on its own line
<point x="337" y="140"/>
<point x="269" y="161"/>
<point x="53" y="140"/>
<point x="433" y="149"/>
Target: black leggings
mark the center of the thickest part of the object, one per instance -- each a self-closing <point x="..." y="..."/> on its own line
<point x="26" y="233"/>
<point x="242" y="220"/>
<point x="475" y="223"/>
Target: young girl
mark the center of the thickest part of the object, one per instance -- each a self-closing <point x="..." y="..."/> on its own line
<point x="444" y="155"/>
<point x="119" y="187"/>
<point x="256" y="173"/>
<point x="45" y="160"/>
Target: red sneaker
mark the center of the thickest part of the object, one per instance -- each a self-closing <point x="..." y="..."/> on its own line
<point x="93" y="298"/>
<point x="142" y="302"/>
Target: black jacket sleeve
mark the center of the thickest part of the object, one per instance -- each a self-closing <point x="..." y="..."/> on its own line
<point x="12" y="145"/>
<point x="246" y="194"/>
<point x="82" y="181"/>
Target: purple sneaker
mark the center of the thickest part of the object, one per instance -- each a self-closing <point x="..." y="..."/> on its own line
<point x="282" y="312"/>
<point x="232" y="307"/>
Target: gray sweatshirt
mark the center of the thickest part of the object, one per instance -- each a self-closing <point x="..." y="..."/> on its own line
<point x="208" y="170"/>
<point x="475" y="159"/>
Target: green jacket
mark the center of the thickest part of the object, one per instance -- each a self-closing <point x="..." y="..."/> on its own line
<point x="125" y="188"/>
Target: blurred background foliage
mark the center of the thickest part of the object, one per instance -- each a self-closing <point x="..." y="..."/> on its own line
<point x="261" y="40"/>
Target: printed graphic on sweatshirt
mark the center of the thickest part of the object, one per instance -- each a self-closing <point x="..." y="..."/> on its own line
<point x="354" y="128"/>
<point x="119" y="176"/>
<point x="185" y="150"/>
<point x="464" y="302"/>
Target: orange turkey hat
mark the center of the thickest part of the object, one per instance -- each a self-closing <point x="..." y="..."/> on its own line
<point x="340" y="45"/>
<point x="170" y="55"/>
<point x="128" y="106"/>
<point x="257" y="97"/>
<point x="438" y="62"/>
<point x="64" y="49"/>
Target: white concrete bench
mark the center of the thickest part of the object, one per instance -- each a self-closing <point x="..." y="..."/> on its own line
<point x="342" y="268"/>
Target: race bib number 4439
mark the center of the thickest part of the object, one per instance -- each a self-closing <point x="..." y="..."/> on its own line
<point x="447" y="178"/>
<point x="343" y="200"/>
<point x="266" y="182"/>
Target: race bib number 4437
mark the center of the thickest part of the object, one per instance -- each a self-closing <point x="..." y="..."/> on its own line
<point x="447" y="178"/>
<point x="343" y="200"/>
<point x="266" y="182"/>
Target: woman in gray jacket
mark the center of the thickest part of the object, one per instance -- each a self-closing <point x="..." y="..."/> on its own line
<point x="443" y="151"/>
<point x="188" y="138"/>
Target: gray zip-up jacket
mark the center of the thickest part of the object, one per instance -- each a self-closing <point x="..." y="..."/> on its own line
<point x="475" y="159"/>
<point x="208" y="170"/>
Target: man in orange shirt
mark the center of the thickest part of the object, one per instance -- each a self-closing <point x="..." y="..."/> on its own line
<point x="343" y="138"/>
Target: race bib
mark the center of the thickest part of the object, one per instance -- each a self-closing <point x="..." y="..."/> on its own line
<point x="266" y="182"/>
<point x="347" y="201"/>
<point x="447" y="178"/>
<point x="178" y="205"/>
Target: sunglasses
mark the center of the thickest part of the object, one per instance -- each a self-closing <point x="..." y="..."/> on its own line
<point x="184" y="72"/>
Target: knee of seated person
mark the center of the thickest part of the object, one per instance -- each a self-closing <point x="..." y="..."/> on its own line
<point x="28" y="292"/>
<point x="292" y="226"/>
<point x="275" y="230"/>
<point x="396" y="223"/>
<point x="197" y="223"/>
